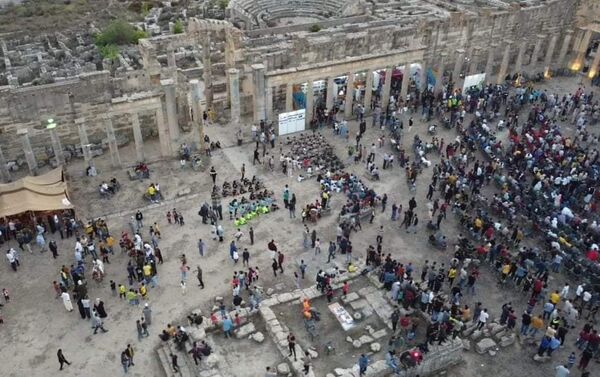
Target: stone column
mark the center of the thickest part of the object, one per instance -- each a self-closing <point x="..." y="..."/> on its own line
<point x="115" y="158"/>
<point x="196" y="95"/>
<point x="56" y="146"/>
<point x="439" y="82"/>
<point x="289" y="97"/>
<point x="172" y="64"/>
<point x="234" y="95"/>
<point x="368" y="91"/>
<point x="269" y="102"/>
<point x="166" y="149"/>
<point x="581" y="50"/>
<point x="560" y="63"/>
<point x="519" y="61"/>
<point x="310" y="93"/>
<point x="489" y="65"/>
<point x="4" y="169"/>
<point x="423" y="78"/>
<point x="171" y="106"/>
<point x="349" y="96"/>
<point x="83" y="138"/>
<point x="138" y="139"/>
<point x="259" y="92"/>
<point x="549" y="54"/>
<point x="458" y="65"/>
<point x="405" y="81"/>
<point x="387" y="84"/>
<point x="595" y="64"/>
<point x="29" y="156"/>
<point x="474" y="63"/>
<point x="207" y="70"/>
<point x="536" y="52"/>
<point x="504" y="65"/>
<point x="330" y="94"/>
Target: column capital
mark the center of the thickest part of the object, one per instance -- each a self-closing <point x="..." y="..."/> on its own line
<point x="460" y="51"/>
<point x="22" y="131"/>
<point x="257" y="66"/>
<point x="233" y="71"/>
<point x="541" y="36"/>
<point x="167" y="82"/>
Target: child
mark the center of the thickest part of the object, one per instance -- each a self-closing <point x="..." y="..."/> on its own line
<point x="5" y="294"/>
<point x="122" y="291"/>
<point x="571" y="360"/>
<point x="113" y="287"/>
<point x="169" y="217"/>
<point x="345" y="289"/>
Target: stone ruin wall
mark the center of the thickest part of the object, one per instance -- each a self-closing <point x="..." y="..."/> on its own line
<point x="91" y="93"/>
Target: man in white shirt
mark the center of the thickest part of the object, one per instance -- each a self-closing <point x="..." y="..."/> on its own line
<point x="483" y="317"/>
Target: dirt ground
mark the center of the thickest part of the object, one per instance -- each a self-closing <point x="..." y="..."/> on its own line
<point x="36" y="324"/>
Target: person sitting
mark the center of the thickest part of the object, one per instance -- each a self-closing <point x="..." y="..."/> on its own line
<point x="152" y="193"/>
<point x="142" y="171"/>
<point x="114" y="185"/>
<point x="375" y="173"/>
<point x="91" y="171"/>
<point x="104" y="190"/>
<point x="164" y="336"/>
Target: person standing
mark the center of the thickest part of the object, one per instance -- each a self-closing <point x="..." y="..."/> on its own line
<point x="139" y="220"/>
<point x="243" y="171"/>
<point x="251" y="234"/>
<point x="124" y="361"/>
<point x="280" y="258"/>
<point x="201" y="247"/>
<point x="286" y="196"/>
<point x="174" y="363"/>
<point x="62" y="359"/>
<point x="97" y="323"/>
<point x="292" y="345"/>
<point x="292" y="206"/>
<point x="67" y="301"/>
<point x="363" y="363"/>
<point x="53" y="248"/>
<point x="147" y="312"/>
<point x="130" y="352"/>
<point x="199" y="276"/>
<point x="213" y="175"/>
<point x="482" y="320"/>
<point x="246" y="257"/>
<point x="275" y="266"/>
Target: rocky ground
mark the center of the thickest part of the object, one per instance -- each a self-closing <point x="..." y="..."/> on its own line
<point x="36" y="324"/>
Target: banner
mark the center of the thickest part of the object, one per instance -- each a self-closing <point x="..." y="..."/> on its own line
<point x="291" y="122"/>
<point x="477" y="80"/>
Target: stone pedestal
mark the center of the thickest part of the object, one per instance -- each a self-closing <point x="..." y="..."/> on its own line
<point x="549" y="54"/>
<point x="138" y="139"/>
<point x="289" y="97"/>
<point x="4" y="173"/>
<point x="115" y="157"/>
<point x="233" y="76"/>
<point x="171" y="106"/>
<point x="310" y="101"/>
<point x="29" y="156"/>
<point x="385" y="94"/>
<point x="258" y="71"/>
<point x="504" y="65"/>
<point x="57" y="147"/>
<point x="330" y="94"/>
<point x="349" y="96"/>
<point x="405" y="81"/>
<point x="368" y="91"/>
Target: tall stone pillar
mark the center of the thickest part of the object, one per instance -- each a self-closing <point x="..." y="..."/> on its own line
<point x="166" y="149"/>
<point x="595" y="67"/>
<point x="115" y="158"/>
<point x="489" y="65"/>
<point x="458" y="65"/>
<point x="139" y="140"/>
<point x="405" y="81"/>
<point x="561" y="63"/>
<point x="29" y="156"/>
<point x="56" y="145"/>
<point x="368" y="91"/>
<point x="196" y="95"/>
<point x="474" y="63"/>
<point x="289" y="97"/>
<point x="387" y="84"/>
<point x="269" y="102"/>
<point x="330" y="93"/>
<point x="172" y="64"/>
<point x="439" y="82"/>
<point x="504" y="65"/>
<point x="536" y="52"/>
<point x="234" y="95"/>
<point x="520" y="53"/>
<point x="207" y="70"/>
<point x="83" y="139"/>
<point x="549" y="54"/>
<point x="310" y="101"/>
<point x="349" y="96"/>
<point x="4" y="173"/>
<point x="259" y="92"/>
<point x="423" y="77"/>
<point x="168" y="86"/>
<point x="581" y="50"/>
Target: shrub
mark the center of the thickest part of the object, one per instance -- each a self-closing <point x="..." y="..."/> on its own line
<point x="119" y="32"/>
<point x="315" y="28"/>
<point x="223" y="4"/>
<point x="109" y="52"/>
<point x="178" y="27"/>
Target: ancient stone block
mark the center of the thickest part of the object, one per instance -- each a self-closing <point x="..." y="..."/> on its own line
<point x="353" y="296"/>
<point x="375" y="347"/>
<point x="245" y="330"/>
<point x="258" y="337"/>
<point x="283" y="369"/>
<point x="485" y="345"/>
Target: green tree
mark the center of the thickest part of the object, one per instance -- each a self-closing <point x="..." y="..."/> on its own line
<point x="314" y="28"/>
<point x="119" y="32"/>
<point x="223" y="4"/>
<point x="110" y="52"/>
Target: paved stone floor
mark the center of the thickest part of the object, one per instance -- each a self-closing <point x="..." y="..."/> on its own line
<point x="36" y="324"/>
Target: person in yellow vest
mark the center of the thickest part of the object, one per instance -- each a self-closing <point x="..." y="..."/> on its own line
<point x="143" y="291"/>
<point x="554" y="297"/>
